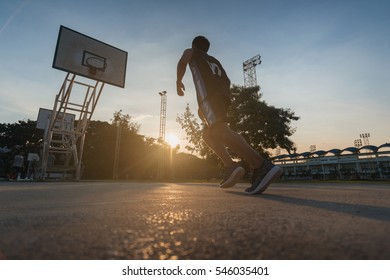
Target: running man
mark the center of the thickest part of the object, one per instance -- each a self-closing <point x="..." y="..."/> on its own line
<point x="214" y="98"/>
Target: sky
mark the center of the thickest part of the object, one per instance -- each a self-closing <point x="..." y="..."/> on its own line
<point x="327" y="61"/>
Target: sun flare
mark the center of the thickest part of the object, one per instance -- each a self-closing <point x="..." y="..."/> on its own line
<point x="172" y="140"/>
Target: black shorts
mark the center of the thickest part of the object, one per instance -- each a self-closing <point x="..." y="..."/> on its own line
<point x="212" y="110"/>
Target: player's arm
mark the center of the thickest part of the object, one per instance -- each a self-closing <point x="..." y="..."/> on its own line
<point x="181" y="70"/>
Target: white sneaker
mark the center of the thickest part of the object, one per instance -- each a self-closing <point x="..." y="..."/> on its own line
<point x="232" y="175"/>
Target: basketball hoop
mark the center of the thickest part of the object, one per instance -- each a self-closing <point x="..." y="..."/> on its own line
<point x="92" y="70"/>
<point x="95" y="63"/>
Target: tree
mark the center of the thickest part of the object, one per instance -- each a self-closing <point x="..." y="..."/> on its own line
<point x="23" y="134"/>
<point x="21" y="137"/>
<point x="98" y="156"/>
<point x="137" y="155"/>
<point x="263" y="126"/>
<point x="137" y="158"/>
<point x="125" y="121"/>
<point x="101" y="143"/>
<point x="189" y="123"/>
<point x="193" y="129"/>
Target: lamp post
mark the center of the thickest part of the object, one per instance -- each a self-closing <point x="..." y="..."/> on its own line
<point x="117" y="149"/>
<point x="161" y="138"/>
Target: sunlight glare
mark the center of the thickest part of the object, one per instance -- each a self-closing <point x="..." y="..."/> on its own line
<point x="172" y="140"/>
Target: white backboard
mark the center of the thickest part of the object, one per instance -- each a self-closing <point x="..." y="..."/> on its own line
<point x="44" y="116"/>
<point x="82" y="55"/>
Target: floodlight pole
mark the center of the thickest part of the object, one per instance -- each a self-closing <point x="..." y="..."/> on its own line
<point x="358" y="143"/>
<point x="163" y="114"/>
<point x="249" y="68"/>
<point x="365" y="137"/>
<point x="161" y="138"/>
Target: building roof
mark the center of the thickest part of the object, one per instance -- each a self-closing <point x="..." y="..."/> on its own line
<point x="384" y="145"/>
<point x="335" y="152"/>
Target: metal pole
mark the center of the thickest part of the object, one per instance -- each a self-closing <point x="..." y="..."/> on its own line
<point x="117" y="149"/>
<point x="163" y="115"/>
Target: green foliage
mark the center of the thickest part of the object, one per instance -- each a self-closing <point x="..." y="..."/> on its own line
<point x="98" y="156"/>
<point x="193" y="129"/>
<point x="125" y="122"/>
<point x="263" y="126"/>
<point x="19" y="138"/>
<point x="22" y="134"/>
<point x="187" y="166"/>
<point x="189" y="123"/>
<point x="138" y="155"/>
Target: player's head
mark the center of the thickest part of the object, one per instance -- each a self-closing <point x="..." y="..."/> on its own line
<point x="201" y="43"/>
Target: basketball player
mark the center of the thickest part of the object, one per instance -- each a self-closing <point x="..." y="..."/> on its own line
<point x="214" y="97"/>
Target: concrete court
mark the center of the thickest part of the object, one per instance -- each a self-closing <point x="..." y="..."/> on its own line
<point x="131" y="220"/>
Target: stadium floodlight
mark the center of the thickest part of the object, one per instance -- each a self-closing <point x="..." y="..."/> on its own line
<point x="249" y="67"/>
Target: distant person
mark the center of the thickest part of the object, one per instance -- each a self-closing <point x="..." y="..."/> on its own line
<point x="214" y="98"/>
<point x="18" y="165"/>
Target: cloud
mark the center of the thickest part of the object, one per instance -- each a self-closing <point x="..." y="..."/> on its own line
<point x="140" y="118"/>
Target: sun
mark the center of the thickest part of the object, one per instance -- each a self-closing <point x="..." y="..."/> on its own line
<point x="172" y="140"/>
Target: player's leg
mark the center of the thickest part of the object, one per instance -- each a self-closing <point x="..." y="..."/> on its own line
<point x="237" y="144"/>
<point x="218" y="148"/>
<point x="233" y="172"/>
<point x="264" y="171"/>
<point x="213" y="113"/>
